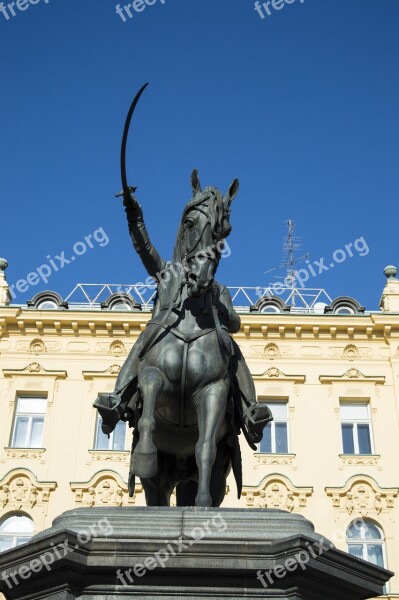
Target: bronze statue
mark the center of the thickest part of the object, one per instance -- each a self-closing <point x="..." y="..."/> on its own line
<point x="185" y="386"/>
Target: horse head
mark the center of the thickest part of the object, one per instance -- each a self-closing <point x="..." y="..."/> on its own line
<point x="204" y="226"/>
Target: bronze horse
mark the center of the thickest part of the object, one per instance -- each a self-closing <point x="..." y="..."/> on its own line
<point x="185" y="387"/>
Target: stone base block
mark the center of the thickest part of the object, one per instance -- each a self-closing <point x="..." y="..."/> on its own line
<point x="181" y="553"/>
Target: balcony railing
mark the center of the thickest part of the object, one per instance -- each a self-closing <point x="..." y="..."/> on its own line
<point x="89" y="296"/>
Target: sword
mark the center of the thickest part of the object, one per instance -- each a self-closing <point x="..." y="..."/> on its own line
<point x="125" y="188"/>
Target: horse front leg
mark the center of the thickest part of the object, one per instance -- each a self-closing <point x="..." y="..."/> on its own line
<point x="145" y="463"/>
<point x="211" y="411"/>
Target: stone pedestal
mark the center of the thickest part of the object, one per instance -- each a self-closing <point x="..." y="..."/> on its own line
<point x="196" y="553"/>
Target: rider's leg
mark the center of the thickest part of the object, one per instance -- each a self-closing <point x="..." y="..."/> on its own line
<point x="112" y="406"/>
<point x="151" y="383"/>
<point x="256" y="415"/>
<point x="211" y="412"/>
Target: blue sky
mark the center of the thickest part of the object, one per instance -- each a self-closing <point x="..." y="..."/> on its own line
<point x="301" y="106"/>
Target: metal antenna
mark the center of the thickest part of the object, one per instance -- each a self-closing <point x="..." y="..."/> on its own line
<point x="291" y="245"/>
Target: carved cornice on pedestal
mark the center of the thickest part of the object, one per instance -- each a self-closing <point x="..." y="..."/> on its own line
<point x="276" y="491"/>
<point x="362" y="494"/>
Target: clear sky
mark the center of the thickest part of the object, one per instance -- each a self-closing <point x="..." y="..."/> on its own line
<point x="301" y="105"/>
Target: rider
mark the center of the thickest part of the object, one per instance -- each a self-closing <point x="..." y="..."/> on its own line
<point x="122" y="403"/>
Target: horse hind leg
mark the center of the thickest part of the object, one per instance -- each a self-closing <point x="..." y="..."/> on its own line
<point x="220" y="472"/>
<point x="158" y="489"/>
<point x="145" y="463"/>
<point x="186" y="492"/>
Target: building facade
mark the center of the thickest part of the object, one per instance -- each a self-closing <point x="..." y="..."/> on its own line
<point x="330" y="376"/>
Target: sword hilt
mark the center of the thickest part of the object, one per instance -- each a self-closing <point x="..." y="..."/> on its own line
<point x="130" y="189"/>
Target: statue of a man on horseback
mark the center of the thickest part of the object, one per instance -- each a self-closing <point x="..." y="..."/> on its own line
<point x="185" y="387"/>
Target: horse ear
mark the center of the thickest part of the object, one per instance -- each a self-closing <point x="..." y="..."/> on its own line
<point x="195" y="183"/>
<point x="232" y="193"/>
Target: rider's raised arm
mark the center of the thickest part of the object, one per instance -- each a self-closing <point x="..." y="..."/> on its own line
<point x="231" y="318"/>
<point x="150" y="258"/>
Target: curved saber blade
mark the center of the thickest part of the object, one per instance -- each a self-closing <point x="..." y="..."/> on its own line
<point x="125" y="135"/>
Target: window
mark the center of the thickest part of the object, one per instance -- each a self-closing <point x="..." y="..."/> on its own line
<point x="344" y="310"/>
<point x="14" y="531"/>
<point x="116" y="440"/>
<point x="275" y="434"/>
<point x="356" y="428"/>
<point x="47" y="305"/>
<point x="365" y="540"/>
<point x="29" y="423"/>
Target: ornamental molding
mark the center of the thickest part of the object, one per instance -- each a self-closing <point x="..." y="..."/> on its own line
<point x="350" y="352"/>
<point x="273" y="459"/>
<point x="37" y="346"/>
<point x="20" y="489"/>
<point x="275" y="373"/>
<point x="271" y="351"/>
<point x="112" y="371"/>
<point x="105" y="488"/>
<point x="352" y="375"/>
<point x="362" y="494"/>
<point x="34" y="368"/>
<point x="360" y="459"/>
<point x="115" y="348"/>
<point x="108" y="456"/>
<point x="277" y="491"/>
<point x="26" y="453"/>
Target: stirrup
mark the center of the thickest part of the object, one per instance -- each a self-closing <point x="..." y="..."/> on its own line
<point x="256" y="417"/>
<point x="107" y="405"/>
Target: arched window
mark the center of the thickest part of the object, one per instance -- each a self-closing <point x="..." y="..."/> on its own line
<point x="365" y="540"/>
<point x="15" y="530"/>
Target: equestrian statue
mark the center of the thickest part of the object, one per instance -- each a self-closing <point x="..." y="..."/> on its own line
<point x="185" y="387"/>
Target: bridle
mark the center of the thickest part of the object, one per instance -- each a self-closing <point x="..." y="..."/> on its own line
<point x="218" y="234"/>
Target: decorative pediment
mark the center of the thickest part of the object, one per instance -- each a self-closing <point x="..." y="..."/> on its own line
<point x="20" y="489"/>
<point x="274" y="373"/>
<point x="34" y="368"/>
<point x="352" y="375"/>
<point x="361" y="494"/>
<point x="112" y="371"/>
<point x="105" y="488"/>
<point x="277" y="491"/>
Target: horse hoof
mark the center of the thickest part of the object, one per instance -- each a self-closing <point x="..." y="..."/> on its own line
<point x="145" y="465"/>
<point x="203" y="500"/>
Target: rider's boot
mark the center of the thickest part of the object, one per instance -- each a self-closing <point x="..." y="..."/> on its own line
<point x="109" y="407"/>
<point x="256" y="417"/>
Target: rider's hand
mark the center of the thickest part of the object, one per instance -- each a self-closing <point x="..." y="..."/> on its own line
<point x="129" y="201"/>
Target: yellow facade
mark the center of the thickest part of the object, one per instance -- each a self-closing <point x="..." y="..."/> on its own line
<point x="313" y="364"/>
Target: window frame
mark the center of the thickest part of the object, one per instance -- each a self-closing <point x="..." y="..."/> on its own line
<point x="111" y="437"/>
<point x="381" y="541"/>
<point x="272" y="425"/>
<point x="355" y="423"/>
<point x="30" y="416"/>
<point x="14" y="535"/>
